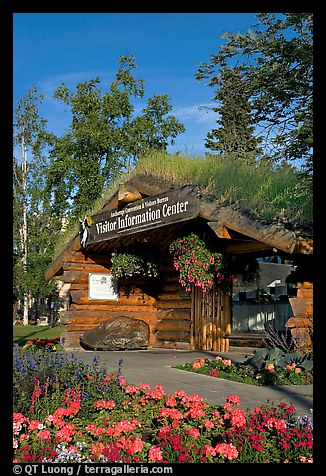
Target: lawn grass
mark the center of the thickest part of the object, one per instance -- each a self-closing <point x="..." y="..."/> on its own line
<point x="21" y="334"/>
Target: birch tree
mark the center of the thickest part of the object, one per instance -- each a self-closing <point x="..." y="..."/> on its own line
<point x="32" y="218"/>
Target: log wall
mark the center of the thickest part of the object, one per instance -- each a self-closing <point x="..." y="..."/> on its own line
<point x="158" y="303"/>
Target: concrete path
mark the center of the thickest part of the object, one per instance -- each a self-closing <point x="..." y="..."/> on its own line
<point x="155" y="366"/>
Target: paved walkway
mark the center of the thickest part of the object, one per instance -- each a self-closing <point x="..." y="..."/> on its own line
<point x="154" y="366"/>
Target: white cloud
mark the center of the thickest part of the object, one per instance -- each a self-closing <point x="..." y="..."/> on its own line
<point x="49" y="85"/>
<point x="199" y="113"/>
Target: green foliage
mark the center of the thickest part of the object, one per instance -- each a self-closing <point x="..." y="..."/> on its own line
<point x="235" y="135"/>
<point x="138" y="261"/>
<point x="105" y="137"/>
<point x="34" y="223"/>
<point x="275" y="58"/>
<point x="280" y="358"/>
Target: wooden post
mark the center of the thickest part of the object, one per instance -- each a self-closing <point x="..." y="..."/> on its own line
<point x="228" y="316"/>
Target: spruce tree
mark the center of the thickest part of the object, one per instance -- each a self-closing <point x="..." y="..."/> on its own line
<point x="235" y="134"/>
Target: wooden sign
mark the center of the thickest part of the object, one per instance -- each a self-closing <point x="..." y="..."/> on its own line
<point x="103" y="286"/>
<point x="152" y="212"/>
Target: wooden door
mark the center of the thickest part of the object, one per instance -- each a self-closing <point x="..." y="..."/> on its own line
<point x="211" y="320"/>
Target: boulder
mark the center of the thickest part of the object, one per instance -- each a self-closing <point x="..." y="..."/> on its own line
<point x="117" y="333"/>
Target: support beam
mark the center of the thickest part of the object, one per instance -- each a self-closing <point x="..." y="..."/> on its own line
<point x="272" y="235"/>
<point x="220" y="230"/>
<point x="246" y="247"/>
<point x="128" y="194"/>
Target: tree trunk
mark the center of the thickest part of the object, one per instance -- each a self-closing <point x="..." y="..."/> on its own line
<point x="25" y="310"/>
<point x="23" y="233"/>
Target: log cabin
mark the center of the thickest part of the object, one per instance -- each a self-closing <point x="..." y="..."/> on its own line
<point x="154" y="212"/>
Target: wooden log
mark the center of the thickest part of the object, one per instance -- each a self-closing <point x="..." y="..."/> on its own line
<point x="173" y="304"/>
<point x="111" y="204"/>
<point x="75" y="277"/>
<point x="89" y="258"/>
<point x="304" y="246"/>
<point x="223" y="322"/>
<point x="305" y="293"/>
<point x="78" y="287"/>
<point x="181" y="314"/>
<point x="83" y="326"/>
<point x="88" y="268"/>
<point x="220" y="230"/>
<point x="305" y="285"/>
<point x="228" y="317"/>
<point x="89" y="316"/>
<point x="246" y="247"/>
<point x="173" y="325"/>
<point x="192" y="319"/>
<point x="133" y="291"/>
<point x="80" y="322"/>
<point x="128" y="194"/>
<point x="149" y="185"/>
<point x="172" y="286"/>
<point x="273" y="235"/>
<point x="198" y="320"/>
<point x="227" y="340"/>
<point x="112" y="307"/>
<point x="80" y="296"/>
<point x="209" y="325"/>
<point x="173" y="336"/>
<point x="161" y="344"/>
<point x="218" y="323"/>
<point x="169" y="295"/>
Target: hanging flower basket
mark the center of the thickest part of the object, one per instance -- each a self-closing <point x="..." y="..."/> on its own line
<point x="198" y="265"/>
<point x="139" y="261"/>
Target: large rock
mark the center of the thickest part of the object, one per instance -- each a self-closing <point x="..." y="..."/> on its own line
<point x="117" y="333"/>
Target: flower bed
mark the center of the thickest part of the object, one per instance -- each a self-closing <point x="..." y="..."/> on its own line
<point x="72" y="412"/>
<point x="46" y="343"/>
<point x="267" y="374"/>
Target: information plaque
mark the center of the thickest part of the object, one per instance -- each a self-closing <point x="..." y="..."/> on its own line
<point x="103" y="286"/>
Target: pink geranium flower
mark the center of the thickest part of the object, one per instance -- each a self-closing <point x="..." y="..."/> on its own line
<point x="44" y="435"/>
<point x="235" y="399"/>
<point x="229" y="451"/>
<point x="209" y="424"/>
<point x="35" y="425"/>
<point x="155" y="454"/>
<point x="104" y="404"/>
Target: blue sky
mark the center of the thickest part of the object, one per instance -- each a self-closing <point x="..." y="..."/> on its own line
<point x="50" y="48"/>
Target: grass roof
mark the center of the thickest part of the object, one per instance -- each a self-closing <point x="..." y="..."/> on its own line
<point x="272" y="194"/>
